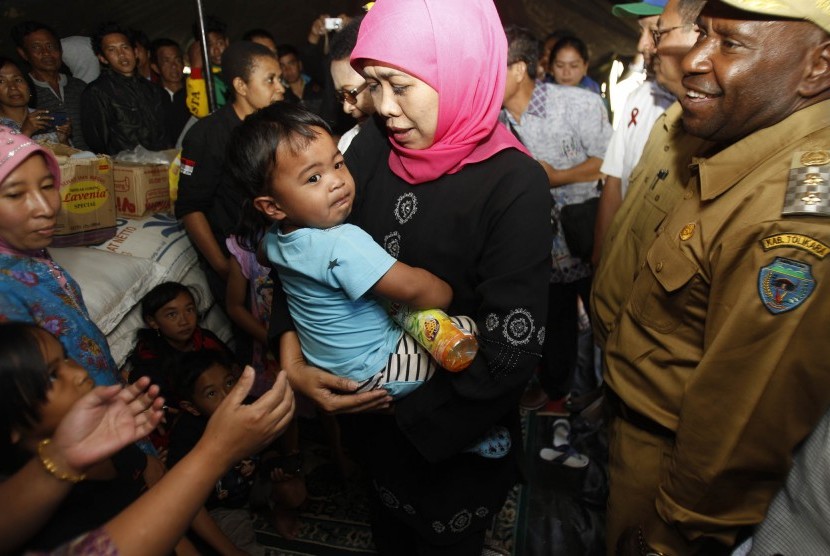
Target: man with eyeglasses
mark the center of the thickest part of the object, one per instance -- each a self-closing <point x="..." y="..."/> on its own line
<point x="641" y="109"/>
<point x="717" y="365"/>
<point x="655" y="183"/>
<point x="674" y="35"/>
<point x="38" y="45"/>
<point x="350" y="88"/>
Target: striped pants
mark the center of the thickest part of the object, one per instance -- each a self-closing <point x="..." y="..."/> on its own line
<point x="410" y="365"/>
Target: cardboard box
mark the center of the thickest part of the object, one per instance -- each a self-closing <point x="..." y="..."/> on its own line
<point x="87" y="214"/>
<point x="141" y="188"/>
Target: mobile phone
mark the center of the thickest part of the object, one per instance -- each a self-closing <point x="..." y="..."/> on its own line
<point x="59" y="118"/>
<point x="334" y="23"/>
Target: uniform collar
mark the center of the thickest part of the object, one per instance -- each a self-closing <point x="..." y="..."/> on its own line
<point x="672" y="119"/>
<point x="722" y="171"/>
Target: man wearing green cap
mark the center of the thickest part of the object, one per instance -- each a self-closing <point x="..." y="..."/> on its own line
<point x="655" y="183"/>
<point x="718" y="366"/>
<point x="641" y="109"/>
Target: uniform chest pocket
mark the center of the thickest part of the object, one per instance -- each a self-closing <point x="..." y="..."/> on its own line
<point x="664" y="286"/>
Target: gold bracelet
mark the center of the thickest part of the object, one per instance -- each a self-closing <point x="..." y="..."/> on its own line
<point x="52" y="467"/>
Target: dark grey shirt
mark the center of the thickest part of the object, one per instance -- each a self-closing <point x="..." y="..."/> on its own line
<point x="68" y="101"/>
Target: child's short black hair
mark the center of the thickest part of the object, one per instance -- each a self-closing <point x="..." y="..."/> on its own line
<point x="252" y="156"/>
<point x="190" y="365"/>
<point x="24" y="383"/>
<point x="154" y="300"/>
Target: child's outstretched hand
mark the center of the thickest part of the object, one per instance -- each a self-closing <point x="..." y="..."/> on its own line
<point x="104" y="421"/>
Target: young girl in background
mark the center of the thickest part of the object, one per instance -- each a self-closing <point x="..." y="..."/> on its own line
<point x="248" y="301"/>
<point x="170" y="311"/>
<point x="38" y="386"/>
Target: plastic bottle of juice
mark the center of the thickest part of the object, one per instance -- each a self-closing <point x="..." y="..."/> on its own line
<point x="453" y="348"/>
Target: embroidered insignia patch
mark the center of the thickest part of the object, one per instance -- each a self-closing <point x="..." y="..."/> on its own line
<point x="799" y="241"/>
<point x="406" y="207"/>
<point x="785" y="284"/>
<point x="392" y="244"/>
<point x="808" y="185"/>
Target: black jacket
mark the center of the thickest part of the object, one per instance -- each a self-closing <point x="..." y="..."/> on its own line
<point x="118" y="113"/>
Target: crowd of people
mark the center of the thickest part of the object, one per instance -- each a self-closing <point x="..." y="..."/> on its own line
<point x="318" y="200"/>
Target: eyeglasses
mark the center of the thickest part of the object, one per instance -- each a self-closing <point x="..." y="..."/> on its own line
<point x="656" y="34"/>
<point x="350" y="96"/>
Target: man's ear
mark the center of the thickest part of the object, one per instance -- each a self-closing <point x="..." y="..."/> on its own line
<point x="518" y="71"/>
<point x="190" y="408"/>
<point x="102" y="60"/>
<point x="22" y="54"/>
<point x="15" y="436"/>
<point x="269" y="207"/>
<point x="817" y="75"/>
<point x="240" y="87"/>
<point x="155" y="68"/>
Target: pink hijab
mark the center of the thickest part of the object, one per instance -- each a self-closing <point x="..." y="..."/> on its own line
<point x="457" y="47"/>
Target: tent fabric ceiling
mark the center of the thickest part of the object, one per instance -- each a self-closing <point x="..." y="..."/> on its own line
<point x="290" y="20"/>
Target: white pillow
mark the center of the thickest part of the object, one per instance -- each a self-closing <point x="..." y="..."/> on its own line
<point x="111" y="284"/>
<point x="158" y="237"/>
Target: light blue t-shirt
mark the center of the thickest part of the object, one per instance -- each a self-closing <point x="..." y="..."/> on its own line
<point x="325" y="274"/>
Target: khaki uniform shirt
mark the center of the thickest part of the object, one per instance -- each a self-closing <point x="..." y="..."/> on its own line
<point x="656" y="184"/>
<point x="723" y="338"/>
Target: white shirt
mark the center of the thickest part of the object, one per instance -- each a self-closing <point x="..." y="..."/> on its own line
<point x="641" y="110"/>
<point x="346" y="138"/>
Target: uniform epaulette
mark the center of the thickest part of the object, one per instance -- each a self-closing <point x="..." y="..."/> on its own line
<point x="808" y="187"/>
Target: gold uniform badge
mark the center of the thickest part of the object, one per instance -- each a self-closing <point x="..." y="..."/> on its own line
<point x="808" y="185"/>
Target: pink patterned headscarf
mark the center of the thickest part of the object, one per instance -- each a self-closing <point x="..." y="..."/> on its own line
<point x="458" y="48"/>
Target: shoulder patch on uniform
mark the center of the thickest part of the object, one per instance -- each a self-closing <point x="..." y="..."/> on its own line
<point x="785" y="284"/>
<point x="808" y="185"/>
<point x="798" y="241"/>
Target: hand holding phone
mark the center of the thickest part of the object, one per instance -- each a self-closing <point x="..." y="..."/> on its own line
<point x="59" y="118"/>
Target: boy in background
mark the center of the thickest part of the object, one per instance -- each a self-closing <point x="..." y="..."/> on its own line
<point x="202" y="381"/>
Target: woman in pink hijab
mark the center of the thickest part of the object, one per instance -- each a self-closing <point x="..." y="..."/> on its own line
<point x="443" y="186"/>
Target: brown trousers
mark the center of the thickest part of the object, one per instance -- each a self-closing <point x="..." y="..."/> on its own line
<point x="634" y="467"/>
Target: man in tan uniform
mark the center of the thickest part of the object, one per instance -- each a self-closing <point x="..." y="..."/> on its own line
<point x="718" y="366"/>
<point x="656" y="182"/>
